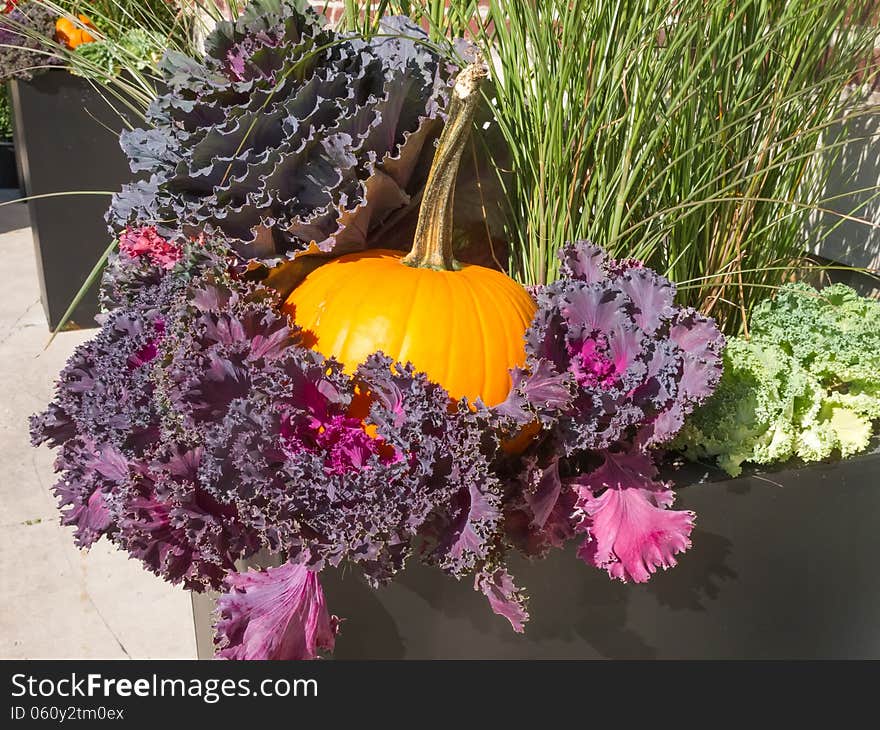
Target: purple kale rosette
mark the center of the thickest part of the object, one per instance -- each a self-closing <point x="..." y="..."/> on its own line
<point x="22" y="52"/>
<point x="287" y="137"/>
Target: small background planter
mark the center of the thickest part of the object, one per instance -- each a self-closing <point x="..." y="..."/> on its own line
<point x="784" y="565"/>
<point x="66" y="138"/>
<point x="8" y="166"/>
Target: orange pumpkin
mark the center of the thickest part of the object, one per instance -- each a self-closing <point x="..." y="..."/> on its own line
<point x="71" y="34"/>
<point x="462" y="325"/>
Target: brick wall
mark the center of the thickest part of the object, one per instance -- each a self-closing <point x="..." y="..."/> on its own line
<point x="332" y="10"/>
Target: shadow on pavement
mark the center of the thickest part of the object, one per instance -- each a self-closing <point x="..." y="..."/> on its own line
<point x="13" y="216"/>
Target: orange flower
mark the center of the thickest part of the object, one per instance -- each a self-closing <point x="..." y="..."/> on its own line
<point x="71" y="34"/>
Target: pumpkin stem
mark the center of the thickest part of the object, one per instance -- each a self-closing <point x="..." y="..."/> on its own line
<point x="432" y="245"/>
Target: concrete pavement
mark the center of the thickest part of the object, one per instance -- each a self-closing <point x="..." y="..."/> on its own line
<point x="59" y="602"/>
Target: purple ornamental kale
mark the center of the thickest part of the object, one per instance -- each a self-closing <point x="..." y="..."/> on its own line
<point x="613" y="367"/>
<point x="309" y="479"/>
<point x="195" y="429"/>
<point x="280" y="443"/>
<point x="22" y="54"/>
<point x="125" y="473"/>
<point x="287" y="134"/>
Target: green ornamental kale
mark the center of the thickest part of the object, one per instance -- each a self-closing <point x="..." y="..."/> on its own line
<point x="137" y="48"/>
<point x="806" y="383"/>
<point x="834" y="333"/>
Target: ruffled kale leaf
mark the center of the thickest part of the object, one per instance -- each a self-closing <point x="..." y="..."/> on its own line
<point x="288" y="137"/>
<point x="833" y="332"/>
<point x="629" y="530"/>
<point x="278" y="613"/>
<point x="504" y="597"/>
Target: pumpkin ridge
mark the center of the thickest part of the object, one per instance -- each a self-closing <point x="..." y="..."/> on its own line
<point x="517" y="339"/>
<point x="500" y="318"/>
<point x="342" y="345"/>
<point x="339" y="345"/>
<point x="487" y="366"/>
<point x="526" y="311"/>
<point x="450" y="335"/>
<point x="336" y="346"/>
<point x="491" y="300"/>
<point x="515" y="332"/>
<point x="412" y="295"/>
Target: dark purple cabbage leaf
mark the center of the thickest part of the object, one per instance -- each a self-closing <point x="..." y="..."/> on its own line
<point x="21" y="54"/>
<point x="288" y="134"/>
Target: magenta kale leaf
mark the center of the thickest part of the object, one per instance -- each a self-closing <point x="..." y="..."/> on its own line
<point x="278" y="613"/>
<point x="629" y="530"/>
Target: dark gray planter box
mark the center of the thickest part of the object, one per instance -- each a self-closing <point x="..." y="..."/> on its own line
<point x="66" y="139"/>
<point x="783" y="565"/>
